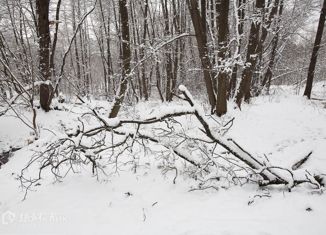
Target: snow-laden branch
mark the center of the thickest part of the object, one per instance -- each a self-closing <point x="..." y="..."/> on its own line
<point x="270" y="174"/>
<point x="119" y="137"/>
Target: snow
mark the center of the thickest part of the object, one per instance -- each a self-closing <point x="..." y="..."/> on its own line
<point x="80" y="205"/>
<point x="12" y="129"/>
<point x="283" y="126"/>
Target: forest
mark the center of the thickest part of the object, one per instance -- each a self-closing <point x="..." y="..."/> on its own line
<point x="169" y="116"/>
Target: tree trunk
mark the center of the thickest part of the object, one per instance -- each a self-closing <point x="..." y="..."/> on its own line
<point x="177" y="51"/>
<point x="42" y="7"/>
<point x="223" y="32"/>
<point x="241" y="16"/>
<point x="199" y="23"/>
<point x="313" y="60"/>
<point x="55" y="37"/>
<point x="74" y="28"/>
<point x="252" y="54"/>
<point x="136" y="40"/>
<point x="168" y="54"/>
<point x="126" y="57"/>
<point x="144" y="79"/>
<point x="269" y="73"/>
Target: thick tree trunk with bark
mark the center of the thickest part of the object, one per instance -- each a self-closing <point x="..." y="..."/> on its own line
<point x="199" y="23"/>
<point x="313" y="60"/>
<point x="223" y="32"/>
<point x="42" y="8"/>
<point x="252" y="54"/>
<point x="126" y="57"/>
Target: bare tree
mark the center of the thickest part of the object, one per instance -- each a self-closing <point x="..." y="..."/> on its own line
<point x="199" y="23"/>
<point x="269" y="73"/>
<point x="252" y="54"/>
<point x="55" y="36"/>
<point x="223" y="75"/>
<point x="42" y="9"/>
<point x="126" y="58"/>
<point x="240" y="16"/>
<point x="313" y="60"/>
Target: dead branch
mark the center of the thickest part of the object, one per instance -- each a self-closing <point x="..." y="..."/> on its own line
<point x="114" y="139"/>
<point x="299" y="163"/>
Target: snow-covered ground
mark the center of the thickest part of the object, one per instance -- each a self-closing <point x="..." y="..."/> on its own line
<point x="283" y="126"/>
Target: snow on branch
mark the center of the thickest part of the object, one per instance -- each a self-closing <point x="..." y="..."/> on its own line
<point x="114" y="141"/>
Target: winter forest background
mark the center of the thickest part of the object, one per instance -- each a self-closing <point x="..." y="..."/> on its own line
<point x="127" y="112"/>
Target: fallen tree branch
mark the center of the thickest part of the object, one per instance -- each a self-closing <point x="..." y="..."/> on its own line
<point x="115" y="138"/>
<point x="269" y="174"/>
<point x="299" y="163"/>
